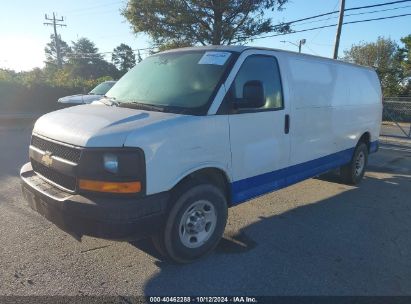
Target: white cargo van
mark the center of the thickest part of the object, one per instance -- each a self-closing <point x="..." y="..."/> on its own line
<point x="188" y="133"/>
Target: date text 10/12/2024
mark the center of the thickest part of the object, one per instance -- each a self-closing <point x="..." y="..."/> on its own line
<point x="198" y="299"/>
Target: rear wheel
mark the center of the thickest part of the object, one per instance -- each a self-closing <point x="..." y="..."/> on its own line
<point x="195" y="223"/>
<point x="353" y="172"/>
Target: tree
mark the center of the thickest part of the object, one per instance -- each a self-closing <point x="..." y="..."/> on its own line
<point x="123" y="58"/>
<point x="192" y="22"/>
<point x="406" y="64"/>
<point x="386" y="57"/>
<point x="86" y="62"/>
<point x="7" y="75"/>
<point x="51" y="52"/>
<point x="173" y="45"/>
<point x="84" y="52"/>
<point x="33" y="77"/>
<point x="406" y="51"/>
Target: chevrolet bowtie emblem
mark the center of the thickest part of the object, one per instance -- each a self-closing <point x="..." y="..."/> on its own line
<point x="46" y="159"/>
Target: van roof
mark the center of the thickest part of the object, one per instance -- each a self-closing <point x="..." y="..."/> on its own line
<point x="242" y="48"/>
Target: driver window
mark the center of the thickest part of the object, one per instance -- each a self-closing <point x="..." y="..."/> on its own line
<point x="264" y="69"/>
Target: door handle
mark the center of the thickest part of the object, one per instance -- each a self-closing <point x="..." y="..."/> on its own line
<point x="287" y="124"/>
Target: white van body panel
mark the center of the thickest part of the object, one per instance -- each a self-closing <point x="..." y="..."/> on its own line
<point x="174" y="149"/>
<point x="331" y="104"/>
<point x="96" y="125"/>
<point x="258" y="142"/>
<point x="174" y="145"/>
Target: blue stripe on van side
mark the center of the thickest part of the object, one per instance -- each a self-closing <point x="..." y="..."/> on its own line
<point x="374" y="146"/>
<point x="251" y="187"/>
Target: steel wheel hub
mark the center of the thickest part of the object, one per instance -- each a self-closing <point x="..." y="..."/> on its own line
<point x="359" y="163"/>
<point x="197" y="224"/>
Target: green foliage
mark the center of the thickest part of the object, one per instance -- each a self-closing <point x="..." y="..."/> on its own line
<point x="386" y="57"/>
<point x="173" y="45"/>
<point x="7" y="75"/>
<point x="51" y="53"/>
<point x="82" y="63"/>
<point x="406" y="51"/>
<point x="55" y="79"/>
<point x="192" y="22"/>
<point x="38" y="90"/>
<point x="123" y="58"/>
<point x="86" y="62"/>
<point x="38" y="98"/>
<point x="84" y="52"/>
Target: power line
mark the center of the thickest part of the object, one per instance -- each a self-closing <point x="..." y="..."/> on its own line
<point x="374" y="19"/>
<point x="281" y="24"/>
<point x="332" y="25"/>
<point x="376" y="5"/>
<point x="315" y="35"/>
<point x="356" y="14"/>
<point x="334" y="12"/>
<point x="90" y="55"/>
<point x="312" y="51"/>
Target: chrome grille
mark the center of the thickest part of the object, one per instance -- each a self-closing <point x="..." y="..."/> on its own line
<point x="50" y="174"/>
<point x="66" y="152"/>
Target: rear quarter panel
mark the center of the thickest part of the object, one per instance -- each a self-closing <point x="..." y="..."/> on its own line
<point x="332" y="104"/>
<point x="362" y="111"/>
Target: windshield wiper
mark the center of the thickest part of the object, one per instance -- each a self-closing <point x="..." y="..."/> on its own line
<point x="141" y="106"/>
<point x="109" y="101"/>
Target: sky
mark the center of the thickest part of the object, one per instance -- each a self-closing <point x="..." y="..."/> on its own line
<point x="23" y="35"/>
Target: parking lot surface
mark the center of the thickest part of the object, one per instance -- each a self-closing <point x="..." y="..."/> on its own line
<point x="317" y="237"/>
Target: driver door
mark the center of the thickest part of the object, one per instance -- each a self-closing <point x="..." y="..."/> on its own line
<point x="260" y="144"/>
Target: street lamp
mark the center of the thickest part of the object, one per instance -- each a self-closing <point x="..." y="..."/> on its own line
<point x="299" y="45"/>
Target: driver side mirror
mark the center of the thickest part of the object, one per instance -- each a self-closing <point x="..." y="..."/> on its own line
<point x="253" y="95"/>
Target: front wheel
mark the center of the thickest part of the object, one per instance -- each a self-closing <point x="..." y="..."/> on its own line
<point x="195" y="223"/>
<point x="354" y="171"/>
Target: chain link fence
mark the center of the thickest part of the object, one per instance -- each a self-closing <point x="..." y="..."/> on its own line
<point x="396" y="117"/>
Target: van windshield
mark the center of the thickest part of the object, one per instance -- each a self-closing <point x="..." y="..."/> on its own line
<point x="175" y="81"/>
<point x="102" y="88"/>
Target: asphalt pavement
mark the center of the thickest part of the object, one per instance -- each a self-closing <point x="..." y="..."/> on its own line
<point x="318" y="237"/>
<point x="397" y="130"/>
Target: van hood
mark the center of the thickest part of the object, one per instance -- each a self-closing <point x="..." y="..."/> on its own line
<point x="96" y="125"/>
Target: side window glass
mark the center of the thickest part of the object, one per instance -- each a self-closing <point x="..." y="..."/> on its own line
<point x="263" y="71"/>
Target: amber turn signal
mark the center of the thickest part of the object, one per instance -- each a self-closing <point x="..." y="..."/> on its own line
<point x="112" y="187"/>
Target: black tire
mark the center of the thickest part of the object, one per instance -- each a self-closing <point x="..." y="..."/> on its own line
<point x="169" y="242"/>
<point x="351" y="173"/>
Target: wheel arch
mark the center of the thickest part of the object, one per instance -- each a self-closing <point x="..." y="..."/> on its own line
<point x="365" y="138"/>
<point x="214" y="175"/>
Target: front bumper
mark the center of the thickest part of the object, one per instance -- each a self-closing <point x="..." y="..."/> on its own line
<point x="117" y="218"/>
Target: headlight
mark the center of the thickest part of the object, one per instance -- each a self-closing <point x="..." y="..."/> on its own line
<point x="115" y="170"/>
<point x="110" y="162"/>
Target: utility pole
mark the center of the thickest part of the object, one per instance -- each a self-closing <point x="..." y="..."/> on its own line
<point x="139" y="59"/>
<point x="55" y="23"/>
<point x="299" y="45"/>
<point x="339" y="27"/>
